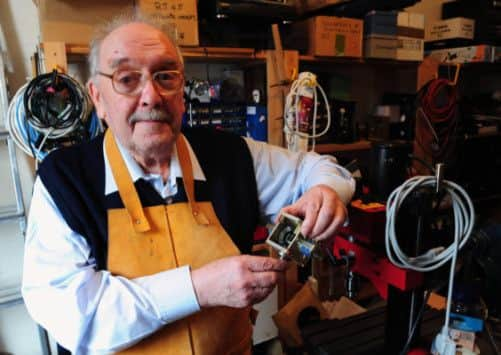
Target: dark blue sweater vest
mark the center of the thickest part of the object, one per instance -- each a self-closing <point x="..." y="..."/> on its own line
<point x="74" y="177"/>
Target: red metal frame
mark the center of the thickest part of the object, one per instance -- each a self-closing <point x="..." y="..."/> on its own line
<point x="378" y="269"/>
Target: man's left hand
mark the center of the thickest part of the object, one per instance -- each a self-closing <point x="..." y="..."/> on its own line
<point x="321" y="210"/>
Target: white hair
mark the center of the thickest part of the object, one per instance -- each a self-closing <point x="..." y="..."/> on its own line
<point x="118" y="21"/>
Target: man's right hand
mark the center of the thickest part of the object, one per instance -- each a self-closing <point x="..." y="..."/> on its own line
<point x="237" y="281"/>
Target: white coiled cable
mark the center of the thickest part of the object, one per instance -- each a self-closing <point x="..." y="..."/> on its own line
<point x="306" y="81"/>
<point x="464" y="219"/>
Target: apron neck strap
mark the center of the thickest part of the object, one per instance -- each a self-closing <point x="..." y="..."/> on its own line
<point x="126" y="188"/>
<point x="186" y="168"/>
<point x="128" y="192"/>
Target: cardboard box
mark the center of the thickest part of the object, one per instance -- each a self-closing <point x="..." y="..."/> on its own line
<point x="393" y="23"/>
<point x="180" y="18"/>
<point x="380" y="23"/>
<point x="410" y="24"/>
<point x="416" y="20"/>
<point x="75" y="21"/>
<point x="410" y="19"/>
<point x="394" y="47"/>
<point x="330" y="36"/>
<point x="471" y="54"/>
<point x="383" y="47"/>
<point x="458" y="27"/>
<point x="409" y="48"/>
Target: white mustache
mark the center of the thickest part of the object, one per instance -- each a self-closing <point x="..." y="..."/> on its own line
<point x="153" y="115"/>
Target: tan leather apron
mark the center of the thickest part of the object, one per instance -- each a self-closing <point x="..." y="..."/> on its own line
<point x="144" y="241"/>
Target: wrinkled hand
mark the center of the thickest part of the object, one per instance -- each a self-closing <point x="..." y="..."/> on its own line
<point x="237" y="281"/>
<point x="321" y="210"/>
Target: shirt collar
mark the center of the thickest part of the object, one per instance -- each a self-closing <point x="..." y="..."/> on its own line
<point x="137" y="172"/>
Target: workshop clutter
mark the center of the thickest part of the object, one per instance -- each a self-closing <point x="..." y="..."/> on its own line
<point x="74" y="22"/>
<point x="385" y="34"/>
<point x="467" y="33"/>
<point x="381" y="34"/>
<point x="394" y="35"/>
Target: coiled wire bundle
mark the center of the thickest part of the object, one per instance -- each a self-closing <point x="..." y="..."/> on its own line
<point x="297" y="138"/>
<point x="464" y="220"/>
<point x="438" y="112"/>
<point x="50" y="111"/>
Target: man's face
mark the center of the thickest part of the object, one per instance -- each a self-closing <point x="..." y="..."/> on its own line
<point x="138" y="47"/>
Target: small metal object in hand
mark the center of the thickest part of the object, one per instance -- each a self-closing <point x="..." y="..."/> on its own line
<point x="287" y="239"/>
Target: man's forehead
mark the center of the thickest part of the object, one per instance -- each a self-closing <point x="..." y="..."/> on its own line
<point x="130" y="42"/>
<point x="124" y="61"/>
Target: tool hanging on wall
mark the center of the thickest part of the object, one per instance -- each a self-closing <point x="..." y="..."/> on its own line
<point x="301" y="113"/>
<point x="51" y="111"/>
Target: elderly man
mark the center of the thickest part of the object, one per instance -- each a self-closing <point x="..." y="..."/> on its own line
<point x="139" y="240"/>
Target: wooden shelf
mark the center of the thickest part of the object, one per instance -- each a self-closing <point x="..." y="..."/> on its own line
<point x="194" y="53"/>
<point x="332" y="148"/>
<point x="228" y="53"/>
<point x="363" y="61"/>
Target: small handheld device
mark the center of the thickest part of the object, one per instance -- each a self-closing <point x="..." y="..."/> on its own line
<point x="287" y="239"/>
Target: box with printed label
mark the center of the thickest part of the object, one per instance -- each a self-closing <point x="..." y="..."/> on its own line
<point x="409" y="48"/>
<point x="394" y="47"/>
<point x="179" y="16"/>
<point x="458" y="27"/>
<point x="331" y="36"/>
<point x="380" y="46"/>
<point x="471" y="54"/>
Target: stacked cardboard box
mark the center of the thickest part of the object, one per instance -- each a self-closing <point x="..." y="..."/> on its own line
<point x="453" y="40"/>
<point x="471" y="54"/>
<point x="394" y="35"/>
<point x="454" y="32"/>
<point x="327" y="36"/>
<point x="74" y="22"/>
<point x="487" y="16"/>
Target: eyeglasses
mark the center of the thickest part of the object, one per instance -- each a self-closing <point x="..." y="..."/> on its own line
<point x="131" y="82"/>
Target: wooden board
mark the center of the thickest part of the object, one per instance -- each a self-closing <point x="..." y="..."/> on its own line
<point x="55" y="56"/>
<point x="277" y="91"/>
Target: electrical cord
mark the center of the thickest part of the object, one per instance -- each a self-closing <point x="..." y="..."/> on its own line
<point x="52" y="108"/>
<point x="55" y="102"/>
<point x="464" y="217"/>
<point x="416" y="322"/>
<point x="305" y="85"/>
<point x="437" y="108"/>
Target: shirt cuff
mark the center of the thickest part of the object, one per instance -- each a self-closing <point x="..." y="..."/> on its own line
<point x="172" y="293"/>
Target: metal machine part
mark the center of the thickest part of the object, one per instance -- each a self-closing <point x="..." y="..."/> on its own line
<point x="287" y="239"/>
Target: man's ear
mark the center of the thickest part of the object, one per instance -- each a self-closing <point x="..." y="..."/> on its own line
<point x="95" y="96"/>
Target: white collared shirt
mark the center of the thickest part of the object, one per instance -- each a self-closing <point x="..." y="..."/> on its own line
<point x="136" y="172"/>
<point x="94" y="312"/>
